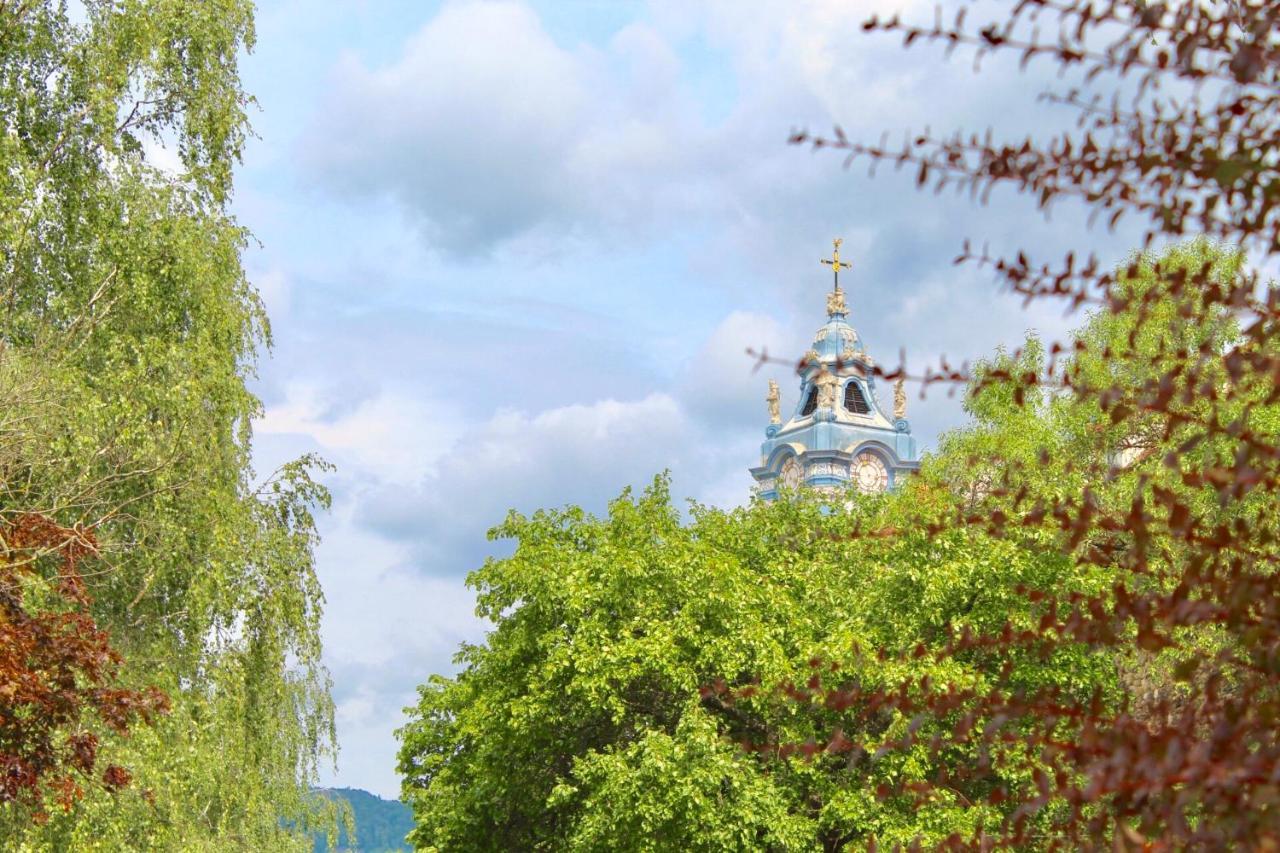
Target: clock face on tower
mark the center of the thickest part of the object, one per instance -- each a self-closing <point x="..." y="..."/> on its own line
<point x="869" y="473"/>
<point x="791" y="473"/>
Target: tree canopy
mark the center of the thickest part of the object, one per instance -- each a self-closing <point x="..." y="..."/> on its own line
<point x="128" y="332"/>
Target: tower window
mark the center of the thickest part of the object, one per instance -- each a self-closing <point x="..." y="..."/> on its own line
<point x="810" y="403"/>
<point x="854" y="400"/>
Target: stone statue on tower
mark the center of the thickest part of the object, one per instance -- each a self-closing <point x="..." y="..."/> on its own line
<point x="826" y="383"/>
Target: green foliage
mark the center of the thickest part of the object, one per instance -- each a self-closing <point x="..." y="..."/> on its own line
<point x="581" y="722"/>
<point x="127" y="334"/>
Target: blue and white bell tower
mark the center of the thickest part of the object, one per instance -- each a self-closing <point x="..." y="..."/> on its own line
<point x="839" y="435"/>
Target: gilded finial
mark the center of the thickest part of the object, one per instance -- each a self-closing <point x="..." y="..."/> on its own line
<point x="835" y="299"/>
<point x="775" y="412"/>
<point x="899" y="399"/>
<point x="835" y="302"/>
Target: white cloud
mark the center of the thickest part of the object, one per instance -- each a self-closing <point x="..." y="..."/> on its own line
<point x="467" y="129"/>
<point x="385" y="626"/>
<point x="395" y="435"/>
<point x="539" y="144"/>
<point x="721" y="384"/>
<point x="582" y="454"/>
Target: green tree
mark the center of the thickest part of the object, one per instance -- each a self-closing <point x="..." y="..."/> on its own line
<point x="634" y="657"/>
<point x="121" y="289"/>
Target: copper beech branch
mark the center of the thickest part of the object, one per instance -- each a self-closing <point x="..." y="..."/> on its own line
<point x="1181" y="528"/>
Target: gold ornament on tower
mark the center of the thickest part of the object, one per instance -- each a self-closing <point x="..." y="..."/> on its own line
<point x="835" y="302"/>
<point x="899" y="399"/>
<point x="775" y="412"/>
<point x="835" y="299"/>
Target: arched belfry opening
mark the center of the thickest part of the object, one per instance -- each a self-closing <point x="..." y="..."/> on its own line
<point x="854" y="400"/>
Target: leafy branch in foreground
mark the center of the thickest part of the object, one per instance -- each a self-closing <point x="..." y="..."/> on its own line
<point x="57" y="670"/>
<point x="1161" y="464"/>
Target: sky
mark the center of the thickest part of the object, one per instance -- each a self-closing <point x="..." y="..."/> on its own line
<point x="513" y="253"/>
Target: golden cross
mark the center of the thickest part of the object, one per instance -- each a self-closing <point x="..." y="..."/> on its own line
<point x="835" y="263"/>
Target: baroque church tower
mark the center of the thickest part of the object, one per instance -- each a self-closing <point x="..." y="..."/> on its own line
<point x="839" y="433"/>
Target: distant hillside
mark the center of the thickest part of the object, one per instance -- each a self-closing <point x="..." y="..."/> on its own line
<point x="381" y="825"/>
